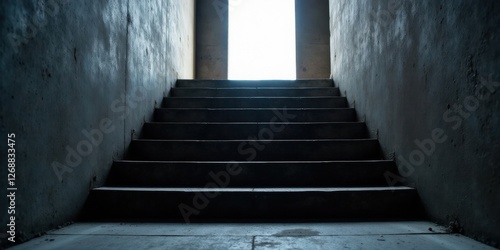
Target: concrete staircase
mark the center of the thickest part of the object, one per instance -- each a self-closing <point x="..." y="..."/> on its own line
<point x="253" y="150"/>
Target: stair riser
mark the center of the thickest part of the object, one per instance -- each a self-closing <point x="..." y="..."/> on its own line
<point x="255" y="115"/>
<point x="339" y="174"/>
<point x="234" y="131"/>
<point x="253" y="92"/>
<point x="337" y="102"/>
<point x="254" y="150"/>
<point x="266" y="83"/>
<point x="157" y="206"/>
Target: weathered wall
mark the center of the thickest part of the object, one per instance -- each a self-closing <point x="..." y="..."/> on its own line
<point x="312" y="39"/>
<point x="212" y="39"/>
<point x="78" y="78"/>
<point x="429" y="71"/>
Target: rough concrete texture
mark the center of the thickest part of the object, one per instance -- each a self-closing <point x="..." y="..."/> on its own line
<point x="78" y="77"/>
<point x="212" y="38"/>
<point x="360" y="235"/>
<point x="428" y="71"/>
<point x="312" y="39"/>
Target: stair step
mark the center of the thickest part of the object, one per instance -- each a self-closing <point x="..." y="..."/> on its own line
<point x="254" y="102"/>
<point x="249" y="150"/>
<point x="252" y="150"/>
<point x="253" y="92"/>
<point x="239" y="131"/>
<point x="251" y="174"/>
<point x="157" y="204"/>
<point x="253" y="83"/>
<point x="255" y="115"/>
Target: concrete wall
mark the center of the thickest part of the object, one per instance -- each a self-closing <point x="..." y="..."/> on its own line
<point x="79" y="78"/>
<point x="425" y="76"/>
<point x="212" y="39"/>
<point x="312" y="39"/>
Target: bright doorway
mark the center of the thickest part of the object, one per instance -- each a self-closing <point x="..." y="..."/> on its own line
<point x="261" y="40"/>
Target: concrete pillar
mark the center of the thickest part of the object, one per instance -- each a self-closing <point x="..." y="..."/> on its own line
<point x="212" y="39"/>
<point x="312" y="39"/>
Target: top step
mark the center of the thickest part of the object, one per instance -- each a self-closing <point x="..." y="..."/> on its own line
<point x="313" y="83"/>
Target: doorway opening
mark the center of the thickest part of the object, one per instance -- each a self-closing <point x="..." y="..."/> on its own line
<point x="261" y="40"/>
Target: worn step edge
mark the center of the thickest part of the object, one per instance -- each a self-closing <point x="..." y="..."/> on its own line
<point x="250" y="190"/>
<point x="251" y="203"/>
<point x="250" y="174"/>
<point x="253" y="102"/>
<point x="258" y="140"/>
<point x="253" y="88"/>
<point x="242" y="130"/>
<point x="258" y="109"/>
<point x="255" y="97"/>
<point x="253" y="162"/>
<point x="255" y="114"/>
<point x="308" y="82"/>
<point x="254" y="92"/>
<point x="265" y="150"/>
<point x="254" y="123"/>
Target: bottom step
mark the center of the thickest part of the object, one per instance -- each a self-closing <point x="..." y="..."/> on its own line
<point x="192" y="204"/>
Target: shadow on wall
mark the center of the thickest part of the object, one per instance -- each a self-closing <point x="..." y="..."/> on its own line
<point x="78" y="79"/>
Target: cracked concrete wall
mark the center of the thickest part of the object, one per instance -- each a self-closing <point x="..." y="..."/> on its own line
<point x="79" y="78"/>
<point x="424" y="75"/>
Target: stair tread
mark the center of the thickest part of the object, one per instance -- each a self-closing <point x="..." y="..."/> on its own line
<point x="245" y="140"/>
<point x="254" y="91"/>
<point x="243" y="130"/>
<point x="254" y="123"/>
<point x="256" y="88"/>
<point x="240" y="140"/>
<point x="271" y="109"/>
<point x="254" y="102"/>
<point x="255" y="97"/>
<point x="212" y="83"/>
<point x="247" y="149"/>
<point x="251" y="174"/>
<point x="254" y="162"/>
<point x="255" y="114"/>
<point x="246" y="190"/>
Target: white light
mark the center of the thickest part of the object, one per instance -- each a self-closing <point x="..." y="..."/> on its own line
<point x="261" y="39"/>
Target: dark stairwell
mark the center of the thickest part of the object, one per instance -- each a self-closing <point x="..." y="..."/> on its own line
<point x="253" y="150"/>
<point x="422" y="74"/>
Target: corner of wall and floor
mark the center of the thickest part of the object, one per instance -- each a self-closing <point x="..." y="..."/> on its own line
<point x="424" y="75"/>
<point x="79" y="78"/>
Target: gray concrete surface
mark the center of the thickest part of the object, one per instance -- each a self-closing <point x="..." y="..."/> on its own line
<point x="78" y="78"/>
<point x="428" y="71"/>
<point x="312" y="39"/>
<point x="212" y="19"/>
<point x="361" y="235"/>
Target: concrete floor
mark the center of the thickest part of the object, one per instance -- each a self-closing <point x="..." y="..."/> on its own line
<point x="344" y="235"/>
